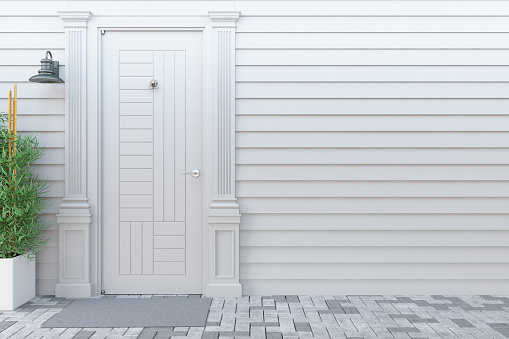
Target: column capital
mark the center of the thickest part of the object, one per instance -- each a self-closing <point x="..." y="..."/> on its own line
<point x="224" y="18"/>
<point x="75" y="18"/>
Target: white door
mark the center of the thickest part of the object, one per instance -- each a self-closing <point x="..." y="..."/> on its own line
<point x="152" y="214"/>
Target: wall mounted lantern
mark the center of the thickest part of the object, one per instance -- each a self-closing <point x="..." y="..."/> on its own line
<point x="48" y="72"/>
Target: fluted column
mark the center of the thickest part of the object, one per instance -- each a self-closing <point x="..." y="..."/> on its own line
<point x="74" y="215"/>
<point x="224" y="216"/>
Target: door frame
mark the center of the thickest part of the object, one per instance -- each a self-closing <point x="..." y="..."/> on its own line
<point x="221" y="216"/>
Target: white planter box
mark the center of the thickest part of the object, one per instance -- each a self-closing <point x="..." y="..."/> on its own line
<point x="17" y="282"/>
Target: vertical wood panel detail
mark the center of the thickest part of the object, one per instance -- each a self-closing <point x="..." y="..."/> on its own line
<point x="169" y="137"/>
<point x="160" y="175"/>
<point x="136" y="248"/>
<point x="125" y="248"/>
<point x="180" y="135"/>
<point x="148" y="248"/>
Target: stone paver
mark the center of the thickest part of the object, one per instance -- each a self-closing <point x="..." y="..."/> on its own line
<point x="295" y="316"/>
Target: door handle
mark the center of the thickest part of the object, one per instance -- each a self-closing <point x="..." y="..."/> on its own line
<point x="195" y="173"/>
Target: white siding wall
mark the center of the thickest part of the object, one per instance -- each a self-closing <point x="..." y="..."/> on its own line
<point x="24" y="41"/>
<point x="373" y="138"/>
<point x="373" y="151"/>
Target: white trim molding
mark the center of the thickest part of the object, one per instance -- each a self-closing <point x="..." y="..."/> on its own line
<point x="74" y="217"/>
<point x="223" y="215"/>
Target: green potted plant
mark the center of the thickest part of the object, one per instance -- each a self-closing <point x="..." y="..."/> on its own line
<point x="21" y="203"/>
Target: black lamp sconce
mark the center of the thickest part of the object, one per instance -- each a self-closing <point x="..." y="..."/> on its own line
<point x="49" y="71"/>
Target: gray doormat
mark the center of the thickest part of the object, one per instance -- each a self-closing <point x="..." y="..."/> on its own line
<point x="133" y="312"/>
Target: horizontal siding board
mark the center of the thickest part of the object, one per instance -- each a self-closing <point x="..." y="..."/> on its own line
<point x="371" y="172"/>
<point x="374" y="222"/>
<point x="372" y="106"/>
<point x="45" y="286"/>
<point x="371" y="56"/>
<point x="31" y="56"/>
<point x="342" y="9"/>
<point x="373" y="123"/>
<point x="39" y="106"/>
<point x="52" y="156"/>
<point x="41" y="123"/>
<point x="371" y="139"/>
<point x="370" y="73"/>
<point x="375" y="40"/>
<point x="56" y="189"/>
<point x="373" y="254"/>
<point x="374" y="156"/>
<point x="375" y="189"/>
<point x="41" y="24"/>
<point x="373" y="286"/>
<point x="32" y="90"/>
<point x="374" y="205"/>
<point x="48" y="41"/>
<point x="50" y="172"/>
<point x="46" y="270"/>
<point x="50" y="139"/>
<point x="280" y="8"/>
<point x="375" y="271"/>
<point x="20" y="73"/>
<point x="52" y="220"/>
<point x="47" y="255"/>
<point x="320" y="90"/>
<point x="372" y="24"/>
<point x="52" y="234"/>
<point x="400" y="238"/>
<point x="53" y="208"/>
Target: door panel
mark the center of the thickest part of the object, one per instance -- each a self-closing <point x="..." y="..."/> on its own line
<point x="152" y="219"/>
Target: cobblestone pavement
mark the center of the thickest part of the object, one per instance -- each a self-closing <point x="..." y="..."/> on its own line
<point x="292" y="316"/>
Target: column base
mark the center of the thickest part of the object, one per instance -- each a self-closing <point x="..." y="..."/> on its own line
<point x="74" y="220"/>
<point x="224" y="290"/>
<point x="73" y="290"/>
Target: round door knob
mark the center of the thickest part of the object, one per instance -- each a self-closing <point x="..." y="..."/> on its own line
<point x="153" y="84"/>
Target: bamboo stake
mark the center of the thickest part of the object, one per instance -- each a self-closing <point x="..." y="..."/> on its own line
<point x="10" y="124"/>
<point x="15" y="123"/>
<point x="15" y="116"/>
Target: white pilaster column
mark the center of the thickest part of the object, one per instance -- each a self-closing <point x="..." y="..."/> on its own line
<point x="224" y="216"/>
<point x="74" y="217"/>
